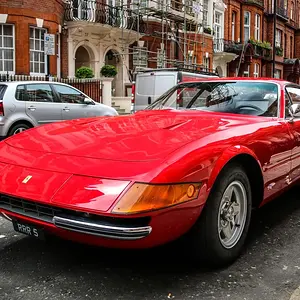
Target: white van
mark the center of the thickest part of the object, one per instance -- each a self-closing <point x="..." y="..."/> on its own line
<point x="149" y="84"/>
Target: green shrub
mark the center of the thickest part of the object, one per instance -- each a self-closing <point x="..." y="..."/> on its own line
<point x="84" y="72"/>
<point x="109" y="71"/>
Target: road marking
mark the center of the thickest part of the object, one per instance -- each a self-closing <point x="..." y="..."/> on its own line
<point x="296" y="294"/>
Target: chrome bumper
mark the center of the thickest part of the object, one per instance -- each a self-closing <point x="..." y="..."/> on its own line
<point x="124" y="233"/>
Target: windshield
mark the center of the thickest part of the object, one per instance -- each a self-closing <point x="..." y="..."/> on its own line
<point x="240" y="97"/>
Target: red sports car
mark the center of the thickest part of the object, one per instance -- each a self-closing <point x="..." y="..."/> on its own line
<point x="193" y="164"/>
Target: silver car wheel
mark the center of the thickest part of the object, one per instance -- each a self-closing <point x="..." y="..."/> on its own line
<point x="232" y="214"/>
<point x="19" y="130"/>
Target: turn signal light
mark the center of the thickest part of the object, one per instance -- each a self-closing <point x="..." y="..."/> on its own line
<point x="143" y="197"/>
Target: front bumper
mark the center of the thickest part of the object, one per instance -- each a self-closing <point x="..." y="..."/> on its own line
<point x="108" y="227"/>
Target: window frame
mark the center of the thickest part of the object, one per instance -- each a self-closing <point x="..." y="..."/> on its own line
<point x="247" y="25"/>
<point x="256" y="71"/>
<point x="257" y="31"/>
<point x="233" y="22"/>
<point x="14" y="49"/>
<point x="37" y="51"/>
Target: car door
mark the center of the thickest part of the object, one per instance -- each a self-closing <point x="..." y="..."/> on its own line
<point x="73" y="105"/>
<point x="292" y="94"/>
<point x="40" y="103"/>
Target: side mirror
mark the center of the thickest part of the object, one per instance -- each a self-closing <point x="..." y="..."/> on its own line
<point x="87" y="101"/>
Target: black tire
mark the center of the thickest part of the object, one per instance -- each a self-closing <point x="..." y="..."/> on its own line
<point x="207" y="247"/>
<point x="17" y="127"/>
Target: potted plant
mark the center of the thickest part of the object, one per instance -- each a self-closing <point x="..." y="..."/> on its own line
<point x="84" y="72"/>
<point x="207" y="30"/>
<point x="279" y="51"/>
<point x="109" y="71"/>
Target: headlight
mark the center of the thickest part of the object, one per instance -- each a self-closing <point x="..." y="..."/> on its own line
<point x="143" y="197"/>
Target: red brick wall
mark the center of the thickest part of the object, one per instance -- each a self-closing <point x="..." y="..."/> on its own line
<point x="23" y="14"/>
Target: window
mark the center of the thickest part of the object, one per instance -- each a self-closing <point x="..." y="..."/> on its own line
<point x="205" y="13"/>
<point x="206" y="63"/>
<point x="240" y="97"/>
<point x="278" y="40"/>
<point x="37" y="51"/>
<point x="140" y="57"/>
<point x="257" y="27"/>
<point x="139" y="5"/>
<point x="246" y="26"/>
<point x="21" y="93"/>
<point x="7" y="53"/>
<point x="277" y="73"/>
<point x="247" y="72"/>
<point x="292" y="10"/>
<point x="294" y="94"/>
<point x="233" y="17"/>
<point x="39" y="93"/>
<point x="69" y="95"/>
<point x="291" y="47"/>
<point x="256" y="70"/>
<point x="218" y="29"/>
<point x="161" y="63"/>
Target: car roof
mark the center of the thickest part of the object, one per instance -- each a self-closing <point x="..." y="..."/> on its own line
<point x="266" y="79"/>
<point x="31" y="82"/>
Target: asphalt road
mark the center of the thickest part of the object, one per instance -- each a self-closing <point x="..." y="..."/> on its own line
<point x="268" y="269"/>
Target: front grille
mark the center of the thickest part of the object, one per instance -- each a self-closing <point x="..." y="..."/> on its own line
<point x="29" y="209"/>
<point x="46" y="213"/>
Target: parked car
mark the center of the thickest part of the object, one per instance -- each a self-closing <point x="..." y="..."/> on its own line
<point x="150" y="84"/>
<point x="24" y="105"/>
<point x="193" y="170"/>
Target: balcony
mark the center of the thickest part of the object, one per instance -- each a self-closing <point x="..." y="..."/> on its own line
<point x="281" y="11"/>
<point x="259" y="3"/>
<point x="262" y="50"/>
<point x="95" y="11"/>
<point x="221" y="45"/>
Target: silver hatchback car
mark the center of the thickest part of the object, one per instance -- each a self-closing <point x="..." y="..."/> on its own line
<point x="27" y="104"/>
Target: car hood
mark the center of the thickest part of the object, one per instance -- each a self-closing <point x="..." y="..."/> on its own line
<point x="144" y="136"/>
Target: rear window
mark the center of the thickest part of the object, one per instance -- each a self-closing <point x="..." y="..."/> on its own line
<point x="2" y="90"/>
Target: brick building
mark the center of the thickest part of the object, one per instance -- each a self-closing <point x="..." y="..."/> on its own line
<point x="248" y="34"/>
<point x="23" y="24"/>
<point x="234" y="37"/>
<point x="125" y="33"/>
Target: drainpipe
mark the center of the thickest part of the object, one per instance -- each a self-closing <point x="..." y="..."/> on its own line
<point x="274" y="35"/>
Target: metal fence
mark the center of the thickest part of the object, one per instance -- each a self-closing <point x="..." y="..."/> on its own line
<point x="91" y="87"/>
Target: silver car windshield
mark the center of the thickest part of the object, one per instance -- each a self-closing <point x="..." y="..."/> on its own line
<point x="240" y="97"/>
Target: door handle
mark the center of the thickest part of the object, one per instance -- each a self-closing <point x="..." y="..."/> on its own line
<point x="149" y="100"/>
<point x="33" y="108"/>
<point x="66" y="109"/>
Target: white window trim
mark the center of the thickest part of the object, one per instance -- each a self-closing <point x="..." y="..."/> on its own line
<point x="14" y="51"/>
<point x="257" y="33"/>
<point x="233" y="21"/>
<point x="278" y="42"/>
<point x="46" y="59"/>
<point x="256" y="70"/>
<point x="248" y="26"/>
<point x="247" y="72"/>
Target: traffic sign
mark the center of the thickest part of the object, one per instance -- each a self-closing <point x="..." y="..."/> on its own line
<point x="49" y="44"/>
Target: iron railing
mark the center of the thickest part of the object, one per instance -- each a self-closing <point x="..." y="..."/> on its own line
<point x="91" y="87"/>
<point x="96" y="11"/>
<point x="281" y="11"/>
<point x="256" y="2"/>
<point x="222" y="45"/>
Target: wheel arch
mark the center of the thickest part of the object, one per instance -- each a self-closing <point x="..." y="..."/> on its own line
<point x="249" y="162"/>
<point x="20" y="122"/>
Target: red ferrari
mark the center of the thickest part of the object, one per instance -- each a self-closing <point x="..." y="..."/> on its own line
<point x="193" y="164"/>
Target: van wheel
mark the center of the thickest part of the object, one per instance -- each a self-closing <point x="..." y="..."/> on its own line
<point x="18" y="128"/>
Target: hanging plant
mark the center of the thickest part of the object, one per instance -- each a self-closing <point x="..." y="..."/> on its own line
<point x="109" y="71"/>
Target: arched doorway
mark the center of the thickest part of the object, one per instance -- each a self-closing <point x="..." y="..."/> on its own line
<point x="84" y="57"/>
<point x="112" y="57"/>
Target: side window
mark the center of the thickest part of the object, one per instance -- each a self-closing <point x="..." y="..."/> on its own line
<point x="288" y="103"/>
<point x="294" y="94"/>
<point x="21" y="93"/>
<point x="39" y="93"/>
<point x="68" y="95"/>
